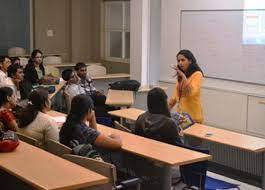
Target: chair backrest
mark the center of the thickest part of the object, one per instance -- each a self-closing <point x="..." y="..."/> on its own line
<point x="121" y="127"/>
<point x="103" y="168"/>
<point x="56" y="147"/>
<point x="27" y="139"/>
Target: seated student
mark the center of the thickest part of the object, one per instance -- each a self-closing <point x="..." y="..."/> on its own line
<point x="35" y="73"/>
<point x="15" y="72"/>
<point x="34" y="120"/>
<point x="72" y="87"/>
<point x="87" y="84"/>
<point x="5" y="62"/>
<point x="156" y="123"/>
<point x="76" y="127"/>
<point x="7" y="102"/>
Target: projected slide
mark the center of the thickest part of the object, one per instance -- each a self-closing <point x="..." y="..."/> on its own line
<point x="254" y="27"/>
<point x="254" y="22"/>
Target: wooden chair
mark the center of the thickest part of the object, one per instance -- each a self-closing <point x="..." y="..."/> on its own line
<point x="56" y="148"/>
<point x="27" y="139"/>
<point x="121" y="127"/>
<point x="105" y="169"/>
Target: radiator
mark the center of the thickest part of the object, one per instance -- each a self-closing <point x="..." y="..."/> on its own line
<point x="239" y="159"/>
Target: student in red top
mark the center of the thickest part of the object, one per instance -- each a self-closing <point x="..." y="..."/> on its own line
<point x="7" y="102"/>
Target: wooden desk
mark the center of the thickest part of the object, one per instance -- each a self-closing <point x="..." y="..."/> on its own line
<point x="120" y="98"/>
<point x="130" y="113"/>
<point x="46" y="171"/>
<point x="166" y="154"/>
<point x="58" y="87"/>
<point x="241" y="152"/>
<point x="226" y="137"/>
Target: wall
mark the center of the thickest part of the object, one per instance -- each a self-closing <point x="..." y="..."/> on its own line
<point x="85" y="30"/>
<point x="76" y="28"/>
<point x="54" y="16"/>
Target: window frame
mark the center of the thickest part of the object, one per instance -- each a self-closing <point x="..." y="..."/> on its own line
<point x="105" y="32"/>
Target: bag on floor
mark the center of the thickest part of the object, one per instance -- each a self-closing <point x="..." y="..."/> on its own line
<point x="8" y="141"/>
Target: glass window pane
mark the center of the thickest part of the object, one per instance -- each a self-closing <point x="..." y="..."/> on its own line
<point x="113" y="15"/>
<point x="127" y="45"/>
<point x="115" y="44"/>
<point x="127" y="15"/>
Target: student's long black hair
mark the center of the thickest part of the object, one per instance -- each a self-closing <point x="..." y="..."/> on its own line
<point x="157" y="102"/>
<point x="80" y="106"/>
<point x="38" y="99"/>
<point x="193" y="67"/>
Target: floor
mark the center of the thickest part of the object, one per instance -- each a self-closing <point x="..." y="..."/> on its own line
<point x="243" y="186"/>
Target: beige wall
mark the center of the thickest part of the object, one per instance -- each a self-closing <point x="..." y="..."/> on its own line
<point x="52" y="15"/>
<point x="76" y="28"/>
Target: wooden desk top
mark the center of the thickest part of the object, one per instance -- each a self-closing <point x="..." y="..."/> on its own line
<point x="155" y="150"/>
<point x="120" y="98"/>
<point x="226" y="137"/>
<point x="130" y="113"/>
<point x="43" y="170"/>
<point x="58" y="87"/>
<point x="111" y="76"/>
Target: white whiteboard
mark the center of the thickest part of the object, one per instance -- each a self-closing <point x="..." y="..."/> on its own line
<point x="215" y="38"/>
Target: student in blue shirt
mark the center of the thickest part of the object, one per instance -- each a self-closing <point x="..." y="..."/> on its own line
<point x="77" y="128"/>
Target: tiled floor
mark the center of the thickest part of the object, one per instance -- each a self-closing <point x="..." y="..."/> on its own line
<point x="243" y="186"/>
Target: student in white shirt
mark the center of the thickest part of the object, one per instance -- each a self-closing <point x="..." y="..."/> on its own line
<point x="5" y="62"/>
<point x="15" y="72"/>
<point x="34" y="120"/>
<point x="72" y="87"/>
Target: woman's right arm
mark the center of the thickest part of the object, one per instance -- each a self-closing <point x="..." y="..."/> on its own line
<point x="112" y="141"/>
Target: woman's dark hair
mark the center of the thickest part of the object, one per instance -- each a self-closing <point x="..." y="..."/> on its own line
<point x="157" y="102"/>
<point x="80" y="106"/>
<point x="35" y="52"/>
<point x="193" y="67"/>
<point x="37" y="101"/>
<point x="4" y="93"/>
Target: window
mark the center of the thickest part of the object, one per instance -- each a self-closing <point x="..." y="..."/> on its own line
<point x="117" y="31"/>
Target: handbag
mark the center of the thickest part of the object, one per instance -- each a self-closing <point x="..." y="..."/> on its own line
<point x="8" y="141"/>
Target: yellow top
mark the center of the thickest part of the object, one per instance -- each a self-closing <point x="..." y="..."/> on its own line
<point x="190" y="98"/>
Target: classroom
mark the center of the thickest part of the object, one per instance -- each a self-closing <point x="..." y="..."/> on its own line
<point x="132" y="94"/>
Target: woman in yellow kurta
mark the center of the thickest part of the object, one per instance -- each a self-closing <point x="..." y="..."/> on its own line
<point x="187" y="93"/>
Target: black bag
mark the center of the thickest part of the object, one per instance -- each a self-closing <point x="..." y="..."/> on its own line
<point x="132" y="85"/>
